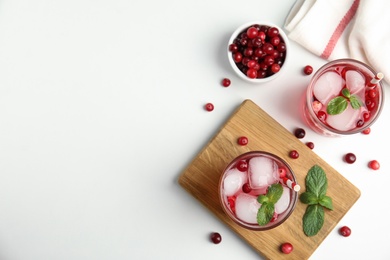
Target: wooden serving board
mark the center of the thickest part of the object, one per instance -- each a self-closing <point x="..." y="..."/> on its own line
<point x="202" y="175"/>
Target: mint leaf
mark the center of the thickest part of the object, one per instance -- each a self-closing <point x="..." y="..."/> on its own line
<point x="313" y="219"/>
<point x="356" y="103"/>
<point x="265" y="213"/>
<point x="262" y="199"/>
<point x="346" y="92"/>
<point x="316" y="181"/>
<point x="308" y="198"/>
<point x="337" y="105"/>
<point x="326" y="201"/>
<point x="274" y="193"/>
<point x="267" y="201"/>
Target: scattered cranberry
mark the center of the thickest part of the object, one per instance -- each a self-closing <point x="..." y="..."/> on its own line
<point x="366" y="131"/>
<point x="345" y="231"/>
<point x="350" y="158"/>
<point x="310" y="145"/>
<point x="286" y="248"/>
<point x="246" y="188"/>
<point x="242" y="140"/>
<point x="308" y="70"/>
<point x="209" y="107"/>
<point x="215" y="238"/>
<point x="374" y="164"/>
<point x="259" y="51"/>
<point x="294" y="154"/>
<point x="300" y="133"/>
<point x="226" y="82"/>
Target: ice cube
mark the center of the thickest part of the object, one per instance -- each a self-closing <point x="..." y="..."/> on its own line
<point x="355" y="81"/>
<point x="233" y="181"/>
<point x="283" y="202"/>
<point x="328" y="86"/>
<point x="247" y="207"/>
<point x="263" y="172"/>
<point x="346" y="120"/>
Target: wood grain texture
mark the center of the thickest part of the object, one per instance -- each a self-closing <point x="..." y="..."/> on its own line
<point x="202" y="175"/>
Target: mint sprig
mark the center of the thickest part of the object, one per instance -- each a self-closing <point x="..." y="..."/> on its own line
<point x="267" y="201"/>
<point x="316" y="199"/>
<point x="338" y="104"/>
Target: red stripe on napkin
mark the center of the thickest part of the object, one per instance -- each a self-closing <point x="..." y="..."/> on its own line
<point x="340" y="29"/>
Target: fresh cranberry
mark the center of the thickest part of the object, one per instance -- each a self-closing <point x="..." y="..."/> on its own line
<point x="350" y="158"/>
<point x="215" y="237"/>
<point x="242" y="140"/>
<point x="372" y="93"/>
<point x="282" y="172"/>
<point x="366" y="116"/>
<point x="275" y="41"/>
<point x="252" y="32"/>
<point x="321" y="116"/>
<point x="370" y="104"/>
<point x="246" y="188"/>
<point x="233" y="47"/>
<point x="237" y="57"/>
<point x="248" y="52"/>
<point x="294" y="154"/>
<point x="226" y="82"/>
<point x="366" y="131"/>
<point x="308" y="70"/>
<point x="374" y="164"/>
<point x="251" y="64"/>
<point x="345" y="231"/>
<point x="286" y="248"/>
<point x="275" y="68"/>
<point x="209" y="107"/>
<point x="272" y="32"/>
<point x="274" y="217"/>
<point x="242" y="166"/>
<point x="359" y="123"/>
<point x="252" y="73"/>
<point x="310" y="145"/>
<point x="300" y="133"/>
<point x="232" y="203"/>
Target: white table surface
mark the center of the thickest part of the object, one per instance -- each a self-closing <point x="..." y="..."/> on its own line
<point x="101" y="109"/>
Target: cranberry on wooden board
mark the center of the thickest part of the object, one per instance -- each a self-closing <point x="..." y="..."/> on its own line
<point x="286" y="248"/>
<point x="242" y="140"/>
<point x="294" y="154"/>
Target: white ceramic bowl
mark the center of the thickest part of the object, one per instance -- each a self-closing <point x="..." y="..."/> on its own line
<point x="243" y="28"/>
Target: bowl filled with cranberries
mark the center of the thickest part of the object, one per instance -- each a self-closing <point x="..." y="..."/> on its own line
<point x="258" y="51"/>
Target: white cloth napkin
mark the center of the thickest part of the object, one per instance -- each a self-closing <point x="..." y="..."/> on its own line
<point x="334" y="29"/>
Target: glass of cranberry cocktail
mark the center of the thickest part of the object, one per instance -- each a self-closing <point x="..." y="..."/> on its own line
<point x="255" y="185"/>
<point x="344" y="97"/>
